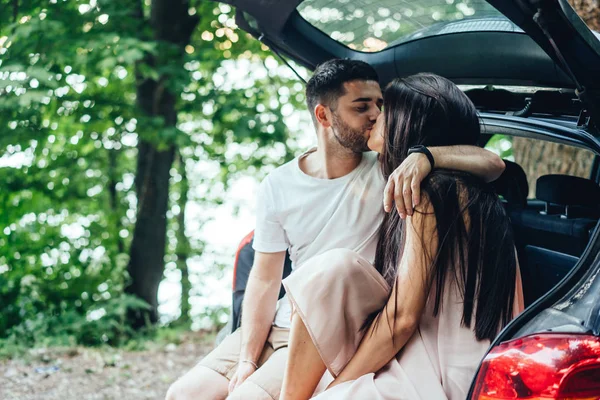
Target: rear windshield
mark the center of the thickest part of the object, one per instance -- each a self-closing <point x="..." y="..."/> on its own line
<point x="373" y="25"/>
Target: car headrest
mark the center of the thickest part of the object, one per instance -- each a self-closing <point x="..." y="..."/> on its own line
<point x="567" y="190"/>
<point x="512" y="185"/>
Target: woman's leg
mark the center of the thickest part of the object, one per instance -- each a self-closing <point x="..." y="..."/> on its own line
<point x="331" y="294"/>
<point x="304" y="367"/>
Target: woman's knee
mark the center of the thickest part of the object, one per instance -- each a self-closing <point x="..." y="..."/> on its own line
<point x="176" y="391"/>
<point x="336" y="259"/>
<point x="198" y="384"/>
<point x="181" y="390"/>
<point x="343" y="263"/>
<point x="250" y="391"/>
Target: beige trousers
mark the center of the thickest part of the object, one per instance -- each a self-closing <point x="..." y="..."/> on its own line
<point x="266" y="382"/>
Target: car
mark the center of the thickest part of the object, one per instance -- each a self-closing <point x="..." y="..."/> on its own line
<point x="532" y="68"/>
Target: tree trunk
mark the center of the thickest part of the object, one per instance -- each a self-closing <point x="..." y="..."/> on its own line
<point x="146" y="262"/>
<point x="114" y="199"/>
<point x="170" y="23"/>
<point x="541" y="158"/>
<point x="15" y="4"/>
<point x="183" y="245"/>
<point x="589" y="11"/>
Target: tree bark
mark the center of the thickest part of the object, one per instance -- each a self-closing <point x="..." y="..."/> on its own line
<point x="15" y="4"/>
<point x="170" y="23"/>
<point x="114" y="199"/>
<point x="589" y="11"/>
<point x="146" y="262"/>
<point x="183" y="245"/>
<point x="539" y="158"/>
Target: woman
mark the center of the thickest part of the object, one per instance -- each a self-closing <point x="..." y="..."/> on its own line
<point x="445" y="280"/>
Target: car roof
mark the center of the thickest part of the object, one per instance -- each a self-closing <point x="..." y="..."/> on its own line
<point x="510" y="57"/>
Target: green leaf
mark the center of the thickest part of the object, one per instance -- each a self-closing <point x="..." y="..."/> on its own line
<point x="30" y="97"/>
<point x="132" y="55"/>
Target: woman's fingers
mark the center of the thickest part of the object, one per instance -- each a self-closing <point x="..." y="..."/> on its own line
<point x="415" y="186"/>
<point x="404" y="184"/>
<point x="403" y="189"/>
<point x="399" y="199"/>
<point x="388" y="195"/>
<point x="398" y="190"/>
<point x="407" y="197"/>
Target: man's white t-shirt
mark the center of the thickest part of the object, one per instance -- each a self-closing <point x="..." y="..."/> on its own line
<point x="309" y="216"/>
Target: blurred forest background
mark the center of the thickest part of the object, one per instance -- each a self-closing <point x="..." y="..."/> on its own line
<point x="125" y="125"/>
<point x="134" y="133"/>
<point x="117" y="118"/>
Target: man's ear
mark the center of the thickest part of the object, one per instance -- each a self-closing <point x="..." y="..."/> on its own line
<point x="323" y="115"/>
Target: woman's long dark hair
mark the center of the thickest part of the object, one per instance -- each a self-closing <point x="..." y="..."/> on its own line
<point x="475" y="242"/>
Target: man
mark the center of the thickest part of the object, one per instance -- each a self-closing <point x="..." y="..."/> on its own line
<point x="330" y="197"/>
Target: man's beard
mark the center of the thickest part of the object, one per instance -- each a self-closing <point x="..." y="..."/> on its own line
<point x="348" y="137"/>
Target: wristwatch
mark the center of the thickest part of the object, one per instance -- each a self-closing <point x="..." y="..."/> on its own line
<point x="424" y="150"/>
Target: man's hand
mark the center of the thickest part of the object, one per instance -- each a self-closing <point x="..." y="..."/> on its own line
<point x="244" y="370"/>
<point x="404" y="184"/>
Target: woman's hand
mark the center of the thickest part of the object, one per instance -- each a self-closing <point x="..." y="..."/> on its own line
<point x="404" y="184"/>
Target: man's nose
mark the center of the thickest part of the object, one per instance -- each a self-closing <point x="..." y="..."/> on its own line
<point x="375" y="113"/>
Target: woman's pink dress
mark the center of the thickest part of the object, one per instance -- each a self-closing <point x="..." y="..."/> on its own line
<point x="333" y="293"/>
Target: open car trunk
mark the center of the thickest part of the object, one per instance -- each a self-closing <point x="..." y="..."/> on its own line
<point x="540" y="44"/>
<point x="548" y="46"/>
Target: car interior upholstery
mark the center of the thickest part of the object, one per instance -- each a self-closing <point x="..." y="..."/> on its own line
<point x="551" y="238"/>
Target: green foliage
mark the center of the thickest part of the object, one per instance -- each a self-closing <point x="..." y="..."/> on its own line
<point x="374" y="25"/>
<point x="103" y="323"/>
<point x="69" y="78"/>
<point x="501" y="145"/>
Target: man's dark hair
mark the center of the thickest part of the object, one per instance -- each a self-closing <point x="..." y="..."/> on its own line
<point x="327" y="83"/>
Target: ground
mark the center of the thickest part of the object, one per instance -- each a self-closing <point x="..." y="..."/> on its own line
<point x="91" y="373"/>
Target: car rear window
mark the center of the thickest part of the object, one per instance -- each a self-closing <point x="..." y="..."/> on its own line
<point x="538" y="157"/>
<point x="373" y="25"/>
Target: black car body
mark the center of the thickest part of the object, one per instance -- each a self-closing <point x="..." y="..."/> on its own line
<point x="549" y="57"/>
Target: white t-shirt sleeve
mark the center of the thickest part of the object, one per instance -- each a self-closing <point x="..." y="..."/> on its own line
<point x="269" y="236"/>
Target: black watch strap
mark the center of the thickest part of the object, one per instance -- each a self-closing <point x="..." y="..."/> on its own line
<point x="424" y="150"/>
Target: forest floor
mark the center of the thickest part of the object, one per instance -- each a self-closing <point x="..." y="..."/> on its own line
<point x="83" y="373"/>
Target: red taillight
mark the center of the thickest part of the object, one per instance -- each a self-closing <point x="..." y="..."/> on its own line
<point x="542" y="366"/>
<point x="247" y="239"/>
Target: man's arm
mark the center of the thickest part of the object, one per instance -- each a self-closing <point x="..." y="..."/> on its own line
<point x="475" y="160"/>
<point x="404" y="184"/>
<point x="258" y="311"/>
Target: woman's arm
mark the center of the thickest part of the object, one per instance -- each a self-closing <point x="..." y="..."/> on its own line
<point x="386" y="337"/>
